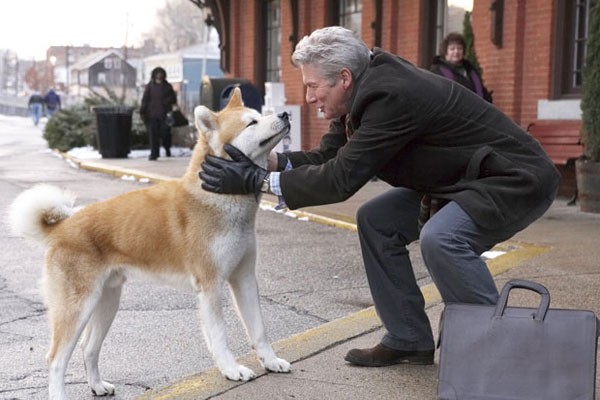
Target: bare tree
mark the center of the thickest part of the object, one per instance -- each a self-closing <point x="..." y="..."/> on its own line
<point x="179" y="24"/>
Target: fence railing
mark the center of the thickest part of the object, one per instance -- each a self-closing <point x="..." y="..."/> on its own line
<point x="13" y="105"/>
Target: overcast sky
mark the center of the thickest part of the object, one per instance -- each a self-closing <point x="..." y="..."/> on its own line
<point x="29" y="27"/>
<point x="466" y="4"/>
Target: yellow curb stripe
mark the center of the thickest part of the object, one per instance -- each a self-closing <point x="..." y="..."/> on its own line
<point x="317" y="218"/>
<point x="514" y="258"/>
<point x="115" y="170"/>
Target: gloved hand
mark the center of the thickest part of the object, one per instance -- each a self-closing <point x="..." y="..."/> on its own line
<point x="237" y="176"/>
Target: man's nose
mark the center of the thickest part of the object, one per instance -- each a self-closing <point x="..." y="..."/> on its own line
<point x="310" y="97"/>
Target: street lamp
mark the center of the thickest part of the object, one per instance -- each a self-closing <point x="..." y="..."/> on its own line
<point x="52" y="61"/>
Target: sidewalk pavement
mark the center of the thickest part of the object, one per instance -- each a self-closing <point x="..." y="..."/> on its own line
<point x="561" y="251"/>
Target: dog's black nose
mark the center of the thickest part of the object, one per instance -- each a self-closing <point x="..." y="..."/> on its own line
<point x="284" y="115"/>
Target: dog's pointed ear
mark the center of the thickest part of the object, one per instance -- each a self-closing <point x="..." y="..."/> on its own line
<point x="205" y="119"/>
<point x="236" y="98"/>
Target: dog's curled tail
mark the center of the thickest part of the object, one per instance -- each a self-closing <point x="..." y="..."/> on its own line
<point x="36" y="210"/>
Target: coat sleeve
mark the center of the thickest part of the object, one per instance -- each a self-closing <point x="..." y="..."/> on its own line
<point x="171" y="98"/>
<point x="331" y="142"/>
<point x="144" y="104"/>
<point x="385" y="124"/>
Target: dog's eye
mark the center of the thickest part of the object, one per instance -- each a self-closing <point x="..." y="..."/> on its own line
<point x="253" y="122"/>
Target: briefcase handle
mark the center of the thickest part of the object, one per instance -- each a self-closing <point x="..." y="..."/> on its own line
<point x="540" y="314"/>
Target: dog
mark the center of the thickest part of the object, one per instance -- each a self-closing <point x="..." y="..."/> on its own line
<point x="172" y="230"/>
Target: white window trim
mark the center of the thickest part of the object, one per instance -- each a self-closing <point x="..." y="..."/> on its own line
<point x="559" y="109"/>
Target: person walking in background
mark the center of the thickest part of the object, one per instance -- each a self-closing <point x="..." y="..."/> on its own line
<point x="452" y="64"/>
<point x="464" y="177"/>
<point x="52" y="102"/>
<point x="157" y="101"/>
<point x="36" y="107"/>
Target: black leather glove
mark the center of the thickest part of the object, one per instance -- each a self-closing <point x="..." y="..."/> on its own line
<point x="237" y="176"/>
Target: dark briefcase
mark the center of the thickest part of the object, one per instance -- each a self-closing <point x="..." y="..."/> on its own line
<point x="509" y="353"/>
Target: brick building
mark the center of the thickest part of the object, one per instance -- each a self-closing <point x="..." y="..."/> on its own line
<point x="531" y="51"/>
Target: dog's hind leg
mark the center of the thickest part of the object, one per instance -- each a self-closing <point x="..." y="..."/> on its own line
<point x="96" y="330"/>
<point x="245" y="293"/>
<point x="213" y="327"/>
<point x="69" y="310"/>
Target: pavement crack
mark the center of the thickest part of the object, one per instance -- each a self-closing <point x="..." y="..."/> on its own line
<point x="12" y="393"/>
<point x="294" y="309"/>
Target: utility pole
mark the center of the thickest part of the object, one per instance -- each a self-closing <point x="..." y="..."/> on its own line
<point x="16" y="75"/>
<point x="68" y="74"/>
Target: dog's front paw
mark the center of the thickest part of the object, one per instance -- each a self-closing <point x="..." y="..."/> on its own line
<point x="238" y="373"/>
<point x="103" y="389"/>
<point x="277" y="365"/>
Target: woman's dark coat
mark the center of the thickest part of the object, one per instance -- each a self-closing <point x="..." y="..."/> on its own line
<point x="158" y="98"/>
<point x="465" y="74"/>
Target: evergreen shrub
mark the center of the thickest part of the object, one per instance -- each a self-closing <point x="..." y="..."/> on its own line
<point x="590" y="100"/>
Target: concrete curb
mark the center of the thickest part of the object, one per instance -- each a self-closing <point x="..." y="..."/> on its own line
<point x="114" y="171"/>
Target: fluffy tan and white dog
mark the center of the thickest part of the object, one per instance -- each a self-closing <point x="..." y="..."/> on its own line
<point x="173" y="230"/>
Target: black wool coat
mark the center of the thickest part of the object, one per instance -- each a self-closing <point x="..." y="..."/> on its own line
<point x="158" y="99"/>
<point x="414" y="129"/>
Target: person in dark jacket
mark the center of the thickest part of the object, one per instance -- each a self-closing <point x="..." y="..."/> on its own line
<point x="452" y="64"/>
<point x="465" y="177"/>
<point x="158" y="100"/>
<point x="36" y="107"/>
<point x="52" y="102"/>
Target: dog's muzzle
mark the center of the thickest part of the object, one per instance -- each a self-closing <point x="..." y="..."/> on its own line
<point x="281" y="126"/>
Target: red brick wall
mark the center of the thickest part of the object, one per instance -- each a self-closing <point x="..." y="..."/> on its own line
<point x="243" y="39"/>
<point x="405" y="24"/>
<point x="519" y="72"/>
<point x="537" y="60"/>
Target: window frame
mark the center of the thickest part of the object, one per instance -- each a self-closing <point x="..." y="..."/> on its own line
<point x="569" y="38"/>
<point x="434" y="14"/>
<point x="349" y="18"/>
<point x="272" y="42"/>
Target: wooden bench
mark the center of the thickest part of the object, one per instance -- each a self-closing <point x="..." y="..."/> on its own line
<point x="561" y="140"/>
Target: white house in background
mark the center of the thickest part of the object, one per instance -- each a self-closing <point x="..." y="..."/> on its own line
<point x="185" y="69"/>
<point x="102" y="69"/>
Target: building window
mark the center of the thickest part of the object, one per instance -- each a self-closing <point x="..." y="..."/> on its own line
<point x="351" y="15"/>
<point x="108" y="64"/>
<point x="572" y="27"/>
<point x="273" y="50"/>
<point x="433" y="29"/>
<point x="441" y="9"/>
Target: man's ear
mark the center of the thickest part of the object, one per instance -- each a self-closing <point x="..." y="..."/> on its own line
<point x="346" y="76"/>
<point x="205" y="119"/>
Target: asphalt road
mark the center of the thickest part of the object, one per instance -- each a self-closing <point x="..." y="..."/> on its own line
<point x="308" y="274"/>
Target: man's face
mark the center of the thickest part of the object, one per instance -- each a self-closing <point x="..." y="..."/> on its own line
<point x="329" y="99"/>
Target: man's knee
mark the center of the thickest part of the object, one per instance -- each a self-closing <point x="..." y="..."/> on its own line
<point x="432" y="241"/>
<point x="362" y="214"/>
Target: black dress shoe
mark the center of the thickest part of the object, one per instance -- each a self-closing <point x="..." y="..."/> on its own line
<point x="152" y="158"/>
<point x="381" y="356"/>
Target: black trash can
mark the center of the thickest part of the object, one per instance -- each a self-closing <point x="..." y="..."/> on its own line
<point x="212" y="88"/>
<point x="114" y="130"/>
<point x="250" y="96"/>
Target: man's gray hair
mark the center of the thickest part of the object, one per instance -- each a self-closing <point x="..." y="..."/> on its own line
<point x="330" y="49"/>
